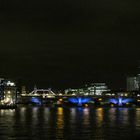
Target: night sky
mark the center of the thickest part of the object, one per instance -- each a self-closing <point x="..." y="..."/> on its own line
<point x="67" y="43"/>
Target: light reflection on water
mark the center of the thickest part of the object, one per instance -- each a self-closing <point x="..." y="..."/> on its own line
<point x="69" y="123"/>
<point x="46" y="115"/>
<point x="99" y="117"/>
<point x="59" y="123"/>
<point x="98" y="131"/>
<point x="86" y="116"/>
<point x="137" y="119"/>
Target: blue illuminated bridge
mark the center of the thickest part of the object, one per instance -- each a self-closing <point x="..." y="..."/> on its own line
<point x="47" y="96"/>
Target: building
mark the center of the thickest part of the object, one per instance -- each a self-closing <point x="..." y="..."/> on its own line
<point x="1" y="88"/>
<point x="133" y="83"/>
<point x="138" y="80"/>
<point x="7" y="92"/>
<point x="97" y="88"/>
<point x="92" y="89"/>
<point x="71" y="91"/>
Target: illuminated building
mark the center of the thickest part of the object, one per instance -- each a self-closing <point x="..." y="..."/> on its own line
<point x="92" y="89"/>
<point x="1" y="88"/>
<point x="138" y="80"/>
<point x="97" y="88"/>
<point x="75" y="91"/>
<point x="133" y="83"/>
<point x="7" y="92"/>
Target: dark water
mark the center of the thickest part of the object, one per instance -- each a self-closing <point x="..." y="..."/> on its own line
<point x="42" y="123"/>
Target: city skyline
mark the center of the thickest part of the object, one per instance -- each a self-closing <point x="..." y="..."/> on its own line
<point x="68" y="44"/>
<point x="69" y="69"/>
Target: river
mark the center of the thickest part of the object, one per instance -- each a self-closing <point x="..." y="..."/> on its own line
<point x="44" y="123"/>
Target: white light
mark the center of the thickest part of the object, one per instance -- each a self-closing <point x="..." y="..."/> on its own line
<point x="9" y="83"/>
<point x="44" y="96"/>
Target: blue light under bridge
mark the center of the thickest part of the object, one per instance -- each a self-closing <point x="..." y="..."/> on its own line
<point x="79" y="100"/>
<point x="35" y="100"/>
<point x="120" y="101"/>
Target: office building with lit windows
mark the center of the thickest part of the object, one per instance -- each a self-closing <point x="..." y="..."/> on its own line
<point x="132" y="84"/>
<point x="91" y="89"/>
<point x="7" y="92"/>
<point x="97" y="88"/>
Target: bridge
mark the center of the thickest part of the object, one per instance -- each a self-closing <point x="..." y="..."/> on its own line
<point x="48" y="96"/>
<point x="45" y="93"/>
<point x="48" y="93"/>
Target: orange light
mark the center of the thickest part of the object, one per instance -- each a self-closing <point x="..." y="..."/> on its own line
<point x="86" y="105"/>
<point x="138" y="100"/>
<point x="60" y="100"/>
